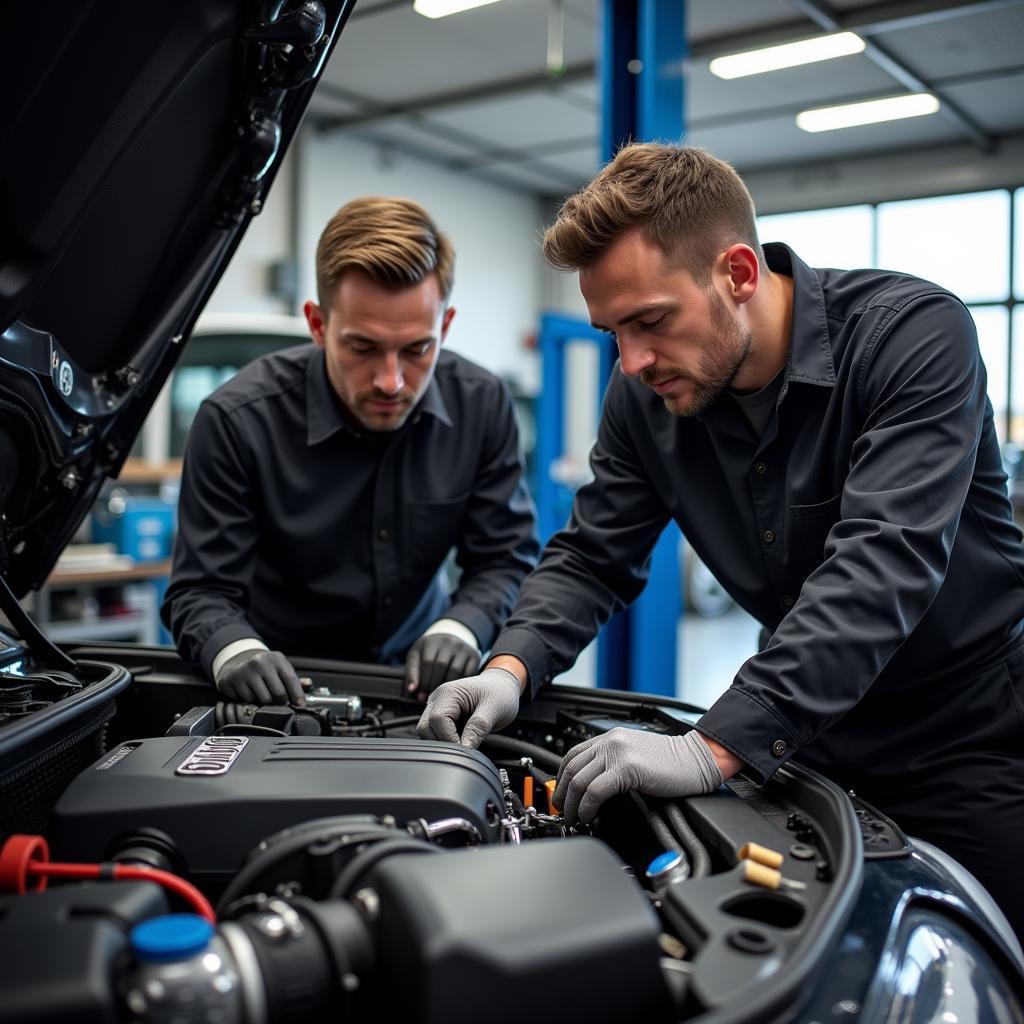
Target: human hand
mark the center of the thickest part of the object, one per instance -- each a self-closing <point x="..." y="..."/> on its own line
<point x="491" y="700"/>
<point x="258" y="676"/>
<point x="436" y="658"/>
<point x="624" y="760"/>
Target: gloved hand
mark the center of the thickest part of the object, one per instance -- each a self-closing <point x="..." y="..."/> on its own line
<point x="491" y="700"/>
<point x="260" y="677"/>
<point x="625" y="760"/>
<point x="434" y="659"/>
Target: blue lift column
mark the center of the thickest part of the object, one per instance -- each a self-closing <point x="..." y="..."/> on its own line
<point x="642" y="100"/>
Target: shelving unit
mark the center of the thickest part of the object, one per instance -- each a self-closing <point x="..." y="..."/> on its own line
<point x="141" y="594"/>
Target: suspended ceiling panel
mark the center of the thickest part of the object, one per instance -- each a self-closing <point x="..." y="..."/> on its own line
<point x="472" y="93"/>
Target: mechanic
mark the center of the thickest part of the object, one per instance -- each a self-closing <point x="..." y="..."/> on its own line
<point x="324" y="485"/>
<point x="824" y="440"/>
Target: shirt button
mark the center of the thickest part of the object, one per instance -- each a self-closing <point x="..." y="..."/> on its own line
<point x="382" y="534"/>
<point x="787" y="601"/>
<point x="388" y="601"/>
<point x="778" y="748"/>
<point x="760" y="468"/>
<point x="768" y="536"/>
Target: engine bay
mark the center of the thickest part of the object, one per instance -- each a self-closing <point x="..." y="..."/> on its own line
<point x="345" y="861"/>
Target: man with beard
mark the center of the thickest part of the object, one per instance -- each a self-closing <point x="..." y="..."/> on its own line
<point x="324" y="485"/>
<point x="824" y="440"/>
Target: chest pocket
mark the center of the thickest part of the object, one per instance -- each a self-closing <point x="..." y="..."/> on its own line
<point x="435" y="526"/>
<point x="809" y="526"/>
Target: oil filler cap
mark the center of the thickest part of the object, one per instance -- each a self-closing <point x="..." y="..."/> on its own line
<point x="171" y="937"/>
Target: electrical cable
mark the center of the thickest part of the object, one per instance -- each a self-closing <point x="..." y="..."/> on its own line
<point x="25" y="859"/>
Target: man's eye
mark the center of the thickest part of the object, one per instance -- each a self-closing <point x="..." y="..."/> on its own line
<point x="420" y="350"/>
<point x="361" y="350"/>
<point x="652" y="323"/>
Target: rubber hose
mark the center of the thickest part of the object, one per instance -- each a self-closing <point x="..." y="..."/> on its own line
<point x="700" y="862"/>
<point x="366" y="859"/>
<point x="520" y="748"/>
<point x="661" y="831"/>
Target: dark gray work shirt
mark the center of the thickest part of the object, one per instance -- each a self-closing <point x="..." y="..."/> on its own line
<point x="328" y="541"/>
<point x="868" y="527"/>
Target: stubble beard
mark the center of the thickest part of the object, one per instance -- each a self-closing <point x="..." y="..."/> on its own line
<point x="725" y="352"/>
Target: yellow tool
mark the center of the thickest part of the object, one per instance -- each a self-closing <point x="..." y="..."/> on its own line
<point x="761" y="855"/>
<point x="768" y="878"/>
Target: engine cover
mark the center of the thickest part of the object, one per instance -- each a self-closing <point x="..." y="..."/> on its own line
<point x="216" y="798"/>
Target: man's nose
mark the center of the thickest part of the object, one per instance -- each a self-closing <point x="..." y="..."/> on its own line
<point x="634" y="356"/>
<point x="388" y="376"/>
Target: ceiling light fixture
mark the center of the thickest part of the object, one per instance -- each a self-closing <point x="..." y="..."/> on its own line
<point x="849" y="115"/>
<point x="442" y="8"/>
<point x="788" y="55"/>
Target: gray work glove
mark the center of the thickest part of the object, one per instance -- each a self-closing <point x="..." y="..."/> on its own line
<point x="491" y="700"/>
<point x="436" y="658"/>
<point x="260" y="677"/>
<point x="630" y="760"/>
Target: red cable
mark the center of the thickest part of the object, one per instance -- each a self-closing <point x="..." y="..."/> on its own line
<point x="25" y="856"/>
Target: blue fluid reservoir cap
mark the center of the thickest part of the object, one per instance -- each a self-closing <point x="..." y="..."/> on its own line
<point x="171" y="937"/>
<point x="664" y="863"/>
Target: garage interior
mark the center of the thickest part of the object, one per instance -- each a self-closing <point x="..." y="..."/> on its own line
<point x="490" y="116"/>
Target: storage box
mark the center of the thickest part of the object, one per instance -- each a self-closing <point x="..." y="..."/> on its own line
<point x="144" y="529"/>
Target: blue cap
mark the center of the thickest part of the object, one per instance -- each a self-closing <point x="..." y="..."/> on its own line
<point x="664" y="863"/>
<point x="171" y="937"/>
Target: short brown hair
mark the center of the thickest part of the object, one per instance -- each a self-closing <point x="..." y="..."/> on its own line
<point x="393" y="240"/>
<point x="688" y="203"/>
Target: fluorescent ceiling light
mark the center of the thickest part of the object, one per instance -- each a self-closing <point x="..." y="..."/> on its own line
<point x="788" y="55"/>
<point x="442" y="8"/>
<point x="825" y="119"/>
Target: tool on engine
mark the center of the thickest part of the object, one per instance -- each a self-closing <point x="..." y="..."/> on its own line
<point x="768" y="878"/>
<point x="522" y="821"/>
<point x="343" y="707"/>
<point x="760" y="855"/>
<point x="550" y="786"/>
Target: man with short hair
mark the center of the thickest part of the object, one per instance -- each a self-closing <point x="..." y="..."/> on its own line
<point x="324" y="485"/>
<point x="824" y="440"/>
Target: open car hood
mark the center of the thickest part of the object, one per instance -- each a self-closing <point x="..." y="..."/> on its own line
<point x="138" y="142"/>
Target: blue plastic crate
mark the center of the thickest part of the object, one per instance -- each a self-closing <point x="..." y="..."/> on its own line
<point x="144" y="530"/>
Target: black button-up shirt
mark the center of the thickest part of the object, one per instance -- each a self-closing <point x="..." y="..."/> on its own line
<point x="326" y="540"/>
<point x="868" y="527"/>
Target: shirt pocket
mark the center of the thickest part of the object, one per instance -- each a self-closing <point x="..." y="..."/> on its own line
<point x="809" y="527"/>
<point x="435" y="528"/>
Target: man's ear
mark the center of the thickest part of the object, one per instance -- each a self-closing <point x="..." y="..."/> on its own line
<point x="446" y="322"/>
<point x="316" y="322"/>
<point x="744" y="271"/>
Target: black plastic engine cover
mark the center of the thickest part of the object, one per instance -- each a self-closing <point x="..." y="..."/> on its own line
<point x="549" y="930"/>
<point x="261" y="786"/>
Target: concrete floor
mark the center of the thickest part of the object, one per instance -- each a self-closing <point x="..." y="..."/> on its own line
<point x="708" y="654"/>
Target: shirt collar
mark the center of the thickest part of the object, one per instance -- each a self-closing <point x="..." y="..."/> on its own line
<point x="324" y="416"/>
<point x="810" y="348"/>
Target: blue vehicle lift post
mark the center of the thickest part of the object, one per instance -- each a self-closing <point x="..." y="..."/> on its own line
<point x="637" y="648"/>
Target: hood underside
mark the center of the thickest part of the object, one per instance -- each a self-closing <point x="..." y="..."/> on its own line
<point x="138" y="142"/>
